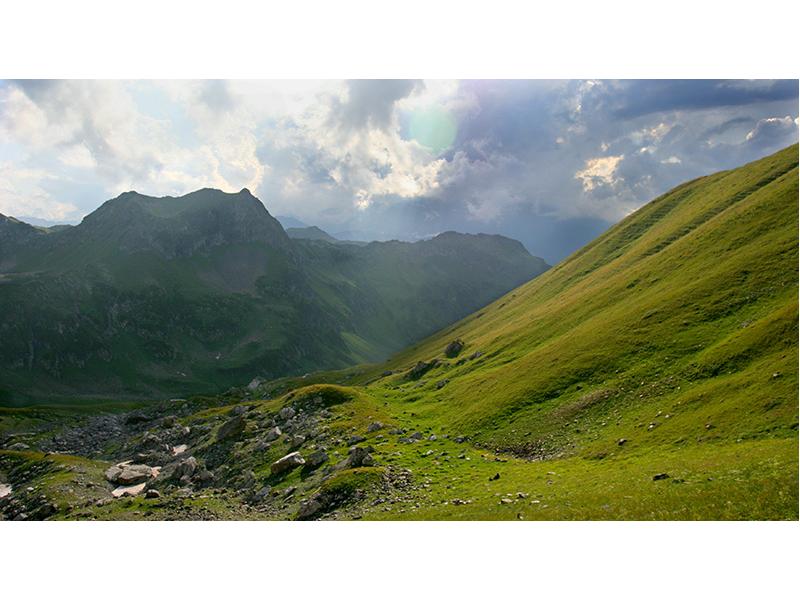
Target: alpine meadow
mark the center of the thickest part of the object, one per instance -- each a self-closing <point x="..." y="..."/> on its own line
<point x="458" y="319"/>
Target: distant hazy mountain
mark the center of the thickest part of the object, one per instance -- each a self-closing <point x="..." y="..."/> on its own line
<point x="310" y="233"/>
<point x="291" y="222"/>
<point x="196" y="293"/>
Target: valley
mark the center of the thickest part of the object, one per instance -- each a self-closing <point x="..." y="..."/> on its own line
<point x="651" y="375"/>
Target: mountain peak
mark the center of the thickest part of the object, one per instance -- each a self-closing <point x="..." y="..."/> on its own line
<point x="184" y="225"/>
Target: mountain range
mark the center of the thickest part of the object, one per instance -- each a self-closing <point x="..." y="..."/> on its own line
<point x="651" y="375"/>
<point x="195" y="293"/>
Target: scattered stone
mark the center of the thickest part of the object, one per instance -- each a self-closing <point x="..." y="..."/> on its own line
<point x="621" y="442"/>
<point x="421" y="368"/>
<point x="454" y="348"/>
<point x="238" y="410"/>
<point x="231" y="428"/>
<point x="19" y="446"/>
<point x="151" y="493"/>
<point x="494" y="477"/>
<point x="286" y="413"/>
<point x="309" y="508"/>
<point x="416" y="436"/>
<point x="660" y="476"/>
<point x="273" y="434"/>
<point x="186" y="468"/>
<point x="128" y="490"/>
<point x="360" y="457"/>
<point x="180" y="449"/>
<point x="432" y="437"/>
<point x="316" y="459"/>
<point x="374" y="426"/>
<point x="506" y="501"/>
<point x="128" y="474"/>
<point x="355" y="439"/>
<point x="287" y="463"/>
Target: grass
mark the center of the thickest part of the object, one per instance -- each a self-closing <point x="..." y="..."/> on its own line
<point x="667" y="347"/>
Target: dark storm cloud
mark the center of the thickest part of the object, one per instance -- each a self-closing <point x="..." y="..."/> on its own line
<point x="637" y="98"/>
<point x="370" y="102"/>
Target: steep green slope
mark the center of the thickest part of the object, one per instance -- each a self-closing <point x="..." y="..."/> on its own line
<point x="652" y="375"/>
<point x="155" y="296"/>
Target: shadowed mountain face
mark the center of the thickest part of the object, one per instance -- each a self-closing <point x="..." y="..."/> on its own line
<point x="173" y="295"/>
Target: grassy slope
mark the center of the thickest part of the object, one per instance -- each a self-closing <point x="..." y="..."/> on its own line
<point x="675" y="331"/>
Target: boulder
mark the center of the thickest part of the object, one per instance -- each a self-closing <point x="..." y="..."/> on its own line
<point x="128" y="490"/>
<point x="186" y="468"/>
<point x="128" y="475"/>
<point x="355" y="439"/>
<point x="374" y="426"/>
<point x="286" y="413"/>
<point x="231" y="428"/>
<point x="309" y="508"/>
<point x="454" y="348"/>
<point x="316" y="459"/>
<point x="287" y="463"/>
<point x="272" y="434"/>
<point x="420" y="369"/>
<point x="253" y="385"/>
<point x="360" y="457"/>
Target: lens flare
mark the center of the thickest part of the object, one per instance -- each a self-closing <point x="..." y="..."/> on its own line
<point x="434" y="128"/>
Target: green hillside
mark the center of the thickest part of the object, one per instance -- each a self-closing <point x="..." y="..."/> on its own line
<point x="150" y="297"/>
<point x="651" y="375"/>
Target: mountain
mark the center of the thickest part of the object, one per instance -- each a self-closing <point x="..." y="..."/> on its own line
<point x="151" y="296"/>
<point x="290" y="222"/>
<point x="651" y="375"/>
<point x="310" y="233"/>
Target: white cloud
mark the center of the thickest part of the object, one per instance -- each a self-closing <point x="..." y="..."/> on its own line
<point x="599" y="171"/>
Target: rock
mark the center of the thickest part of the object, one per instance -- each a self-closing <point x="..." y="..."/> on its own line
<point x="19" y="446"/>
<point x="180" y="449"/>
<point x="416" y="436"/>
<point x="494" y="477"/>
<point x="621" y="442"/>
<point x="287" y="463"/>
<point x="5" y="490"/>
<point x="238" y="410"/>
<point x="316" y="459"/>
<point x="374" y="426"/>
<point x="128" y="490"/>
<point x="387" y="373"/>
<point x="113" y="473"/>
<point x="432" y="437"/>
<point x="360" y="457"/>
<point x="273" y="434"/>
<point x="253" y="385"/>
<point x="355" y="439"/>
<point x="421" y="368"/>
<point x="460" y="439"/>
<point x="231" y="428"/>
<point x="442" y="383"/>
<point x="454" y="348"/>
<point x="185" y="468"/>
<point x="506" y="501"/>
<point x="660" y="476"/>
<point x="128" y="475"/>
<point x="476" y="354"/>
<point x="296" y="441"/>
<point x="263" y="493"/>
<point x="286" y="413"/>
<point x="309" y="508"/>
<point x="169" y="421"/>
<point x="150" y="494"/>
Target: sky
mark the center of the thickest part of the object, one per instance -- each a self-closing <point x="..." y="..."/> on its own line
<point x="551" y="163"/>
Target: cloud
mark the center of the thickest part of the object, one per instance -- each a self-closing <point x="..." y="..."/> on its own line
<point x="399" y="158"/>
<point x="599" y="171"/>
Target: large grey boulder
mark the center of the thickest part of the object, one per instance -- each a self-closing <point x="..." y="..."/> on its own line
<point x="287" y="463"/>
<point x="231" y="428"/>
